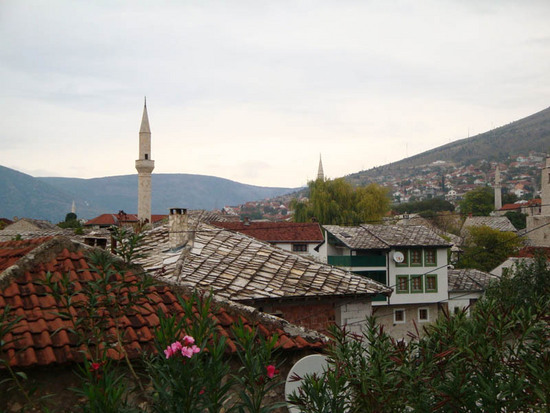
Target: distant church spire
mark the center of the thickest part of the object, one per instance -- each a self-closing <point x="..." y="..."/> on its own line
<point x="144" y="166"/>
<point x="498" y="190"/>
<point x="320" y="173"/>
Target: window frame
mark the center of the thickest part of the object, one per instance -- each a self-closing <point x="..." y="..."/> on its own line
<point x="420" y="262"/>
<point x="424" y="320"/>
<point x="430" y="290"/>
<point x="402" y="310"/>
<point x="397" y="289"/>
<point x="301" y="245"/>
<point x="416" y="277"/>
<point x="430" y="264"/>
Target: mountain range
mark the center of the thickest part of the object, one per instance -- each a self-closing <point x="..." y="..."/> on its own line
<point x="520" y="137"/>
<point x="52" y="198"/>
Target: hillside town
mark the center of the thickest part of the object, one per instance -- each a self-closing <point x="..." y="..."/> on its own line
<point x="292" y="282"/>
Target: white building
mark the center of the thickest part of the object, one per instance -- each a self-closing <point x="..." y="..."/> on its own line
<point x="412" y="260"/>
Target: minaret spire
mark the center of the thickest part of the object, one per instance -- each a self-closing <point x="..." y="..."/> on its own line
<point x="144" y="166"/>
<point x="320" y="173"/>
<point x="498" y="190"/>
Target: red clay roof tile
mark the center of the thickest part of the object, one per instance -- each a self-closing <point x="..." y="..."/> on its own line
<point x="277" y="231"/>
<point x="42" y="337"/>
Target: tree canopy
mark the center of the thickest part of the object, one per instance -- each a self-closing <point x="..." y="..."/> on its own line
<point x="486" y="248"/>
<point x="479" y="202"/>
<point x="337" y="202"/>
<point x="427" y="207"/>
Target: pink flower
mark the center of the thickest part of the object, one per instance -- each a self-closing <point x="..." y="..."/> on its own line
<point x="189" y="351"/>
<point x="172" y="349"/>
<point x="95" y="366"/>
<point x="188" y="340"/>
<point x="271" y="371"/>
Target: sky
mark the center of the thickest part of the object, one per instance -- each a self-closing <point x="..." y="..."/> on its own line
<point x="255" y="91"/>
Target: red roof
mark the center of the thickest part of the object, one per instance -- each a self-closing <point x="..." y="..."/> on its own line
<point x="116" y="219"/>
<point x="516" y="206"/>
<point x="12" y="251"/>
<point x="276" y="231"/>
<point x="530" y="252"/>
<point x="42" y="337"/>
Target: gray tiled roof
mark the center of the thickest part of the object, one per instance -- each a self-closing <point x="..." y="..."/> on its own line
<point x="469" y="279"/>
<point x="499" y="223"/>
<point x="386" y="236"/>
<point x="242" y="268"/>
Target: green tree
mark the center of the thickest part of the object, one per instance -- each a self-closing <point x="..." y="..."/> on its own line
<point x="518" y="219"/>
<point x="495" y="360"/>
<point x="428" y="207"/>
<point x="479" y="202"/>
<point x="338" y="202"/>
<point x="486" y="248"/>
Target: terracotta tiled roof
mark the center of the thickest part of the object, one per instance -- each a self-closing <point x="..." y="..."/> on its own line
<point x="498" y="223"/>
<point x="243" y="268"/>
<point x="13" y="251"/>
<point x="42" y="338"/>
<point x="277" y="231"/>
<point x="386" y="236"/>
<point x="530" y="252"/>
<point x="469" y="279"/>
<point x="116" y="219"/>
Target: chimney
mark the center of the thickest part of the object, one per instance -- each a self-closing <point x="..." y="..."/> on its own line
<point x="178" y="228"/>
<point x="246" y="221"/>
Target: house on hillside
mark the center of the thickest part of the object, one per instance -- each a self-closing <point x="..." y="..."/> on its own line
<point x="243" y="269"/>
<point x="412" y="260"/>
<point x="300" y="238"/>
<point x="44" y="346"/>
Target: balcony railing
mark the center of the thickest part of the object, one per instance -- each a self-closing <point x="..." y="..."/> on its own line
<point x="357" y="260"/>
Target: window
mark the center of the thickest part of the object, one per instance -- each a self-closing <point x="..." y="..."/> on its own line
<point x="431" y="283"/>
<point x="402" y="284"/>
<point x="416" y="257"/>
<point x="423" y="314"/>
<point x="430" y="257"/>
<point x="405" y="262"/>
<point x="146" y="156"/>
<point x="399" y="316"/>
<point x="416" y="284"/>
<point x="299" y="247"/>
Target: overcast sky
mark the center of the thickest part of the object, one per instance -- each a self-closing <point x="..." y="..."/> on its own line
<point x="254" y="91"/>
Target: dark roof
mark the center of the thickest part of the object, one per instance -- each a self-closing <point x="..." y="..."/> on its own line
<point x="243" y="268"/>
<point x="277" y="231"/>
<point x="469" y="280"/>
<point x="42" y="338"/>
<point x="499" y="223"/>
<point x="386" y="236"/>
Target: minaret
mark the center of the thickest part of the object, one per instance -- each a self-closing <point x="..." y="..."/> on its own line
<point x="73" y="208"/>
<point x="144" y="166"/>
<point x="545" y="188"/>
<point x="320" y="174"/>
<point x="498" y="190"/>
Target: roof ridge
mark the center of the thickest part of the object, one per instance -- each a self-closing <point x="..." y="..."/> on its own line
<point x="363" y="226"/>
<point x="45" y="252"/>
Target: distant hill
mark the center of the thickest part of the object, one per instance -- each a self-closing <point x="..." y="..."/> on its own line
<point x="25" y="196"/>
<point x="51" y="198"/>
<point x="520" y="137"/>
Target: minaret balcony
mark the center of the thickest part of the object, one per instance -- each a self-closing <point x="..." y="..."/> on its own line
<point x="145" y="165"/>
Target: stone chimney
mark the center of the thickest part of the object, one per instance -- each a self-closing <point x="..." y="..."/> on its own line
<point x="246" y="221"/>
<point x="178" y="228"/>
